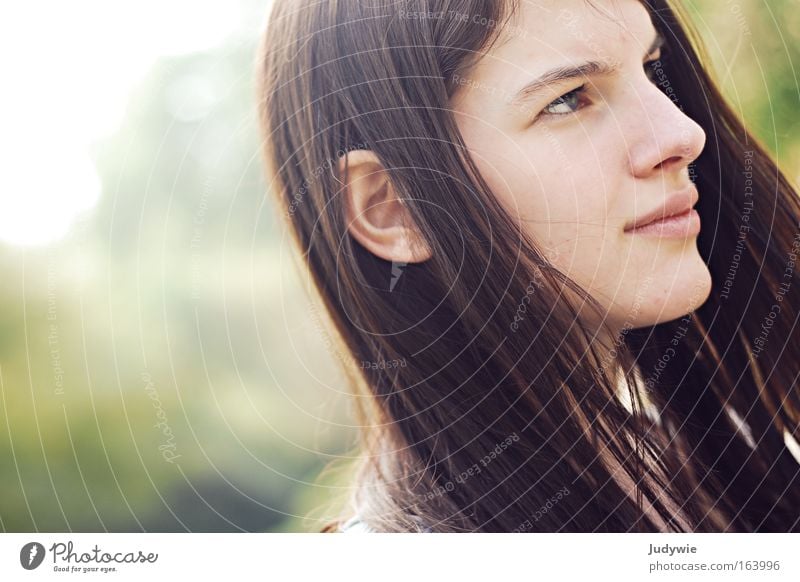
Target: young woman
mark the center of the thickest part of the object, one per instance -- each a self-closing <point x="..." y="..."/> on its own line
<point x="571" y="271"/>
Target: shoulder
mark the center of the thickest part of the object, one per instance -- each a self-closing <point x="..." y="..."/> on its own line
<point x="355" y="525"/>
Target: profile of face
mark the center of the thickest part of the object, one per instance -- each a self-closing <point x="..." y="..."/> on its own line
<point x="580" y="159"/>
<point x="568" y="126"/>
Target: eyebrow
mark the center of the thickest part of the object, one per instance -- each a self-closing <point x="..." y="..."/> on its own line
<point x="560" y="74"/>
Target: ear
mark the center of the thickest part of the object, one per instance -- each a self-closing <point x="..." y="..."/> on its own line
<point x="376" y="217"/>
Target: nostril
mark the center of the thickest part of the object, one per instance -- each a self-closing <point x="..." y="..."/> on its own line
<point x="668" y="162"/>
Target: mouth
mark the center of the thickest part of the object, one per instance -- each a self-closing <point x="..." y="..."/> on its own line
<point x="676" y="217"/>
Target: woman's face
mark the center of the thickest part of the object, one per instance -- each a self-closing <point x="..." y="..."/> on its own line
<point x="578" y="166"/>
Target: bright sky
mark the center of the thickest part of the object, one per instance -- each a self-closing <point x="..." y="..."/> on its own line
<point x="67" y="69"/>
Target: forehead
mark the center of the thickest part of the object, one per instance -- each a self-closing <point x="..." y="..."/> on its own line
<point x="544" y="33"/>
<point x="567" y="26"/>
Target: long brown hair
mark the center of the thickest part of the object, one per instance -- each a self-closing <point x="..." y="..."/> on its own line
<point x="472" y="423"/>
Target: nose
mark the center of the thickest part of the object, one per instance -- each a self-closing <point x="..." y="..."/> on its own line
<point x="665" y="139"/>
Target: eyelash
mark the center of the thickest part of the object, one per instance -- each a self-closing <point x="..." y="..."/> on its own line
<point x="580" y="91"/>
<point x="650" y="66"/>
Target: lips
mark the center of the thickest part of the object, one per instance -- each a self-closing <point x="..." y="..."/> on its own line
<point x="677" y="203"/>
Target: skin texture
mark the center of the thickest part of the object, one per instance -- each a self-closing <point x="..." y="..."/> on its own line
<point x="573" y="180"/>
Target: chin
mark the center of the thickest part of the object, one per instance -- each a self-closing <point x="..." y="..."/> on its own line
<point x="673" y="297"/>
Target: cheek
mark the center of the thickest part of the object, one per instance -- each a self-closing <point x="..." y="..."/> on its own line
<point x="553" y="204"/>
<point x="565" y="190"/>
<point x="566" y="208"/>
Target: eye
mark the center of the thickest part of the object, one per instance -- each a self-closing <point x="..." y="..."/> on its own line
<point x="567" y="103"/>
<point x="654" y="68"/>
